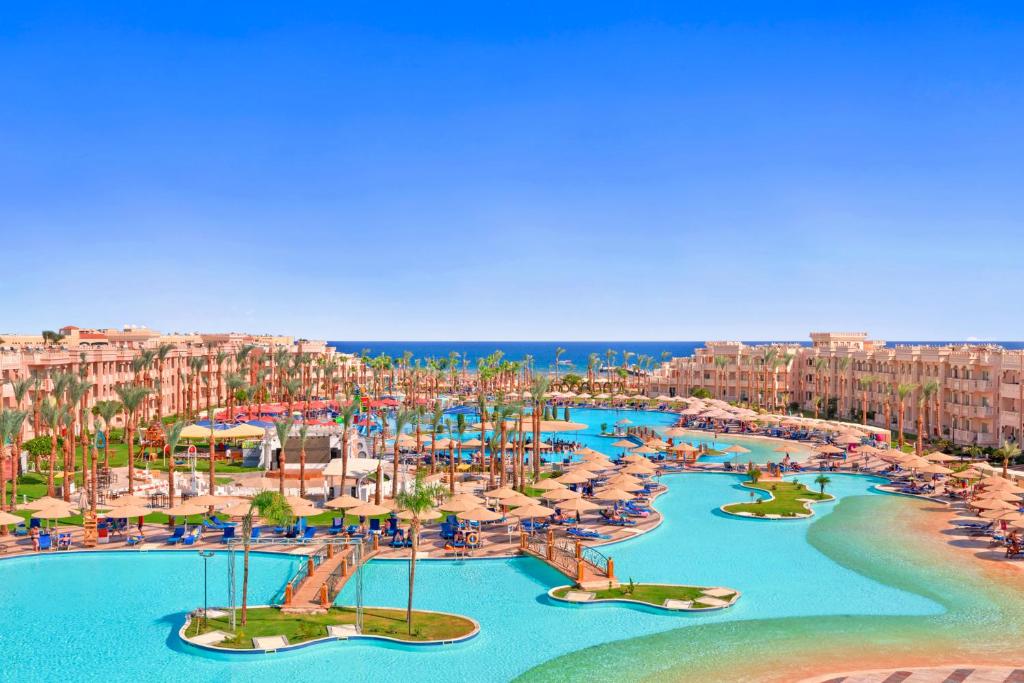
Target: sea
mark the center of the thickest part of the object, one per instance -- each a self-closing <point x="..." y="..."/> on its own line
<point x="577" y="352"/>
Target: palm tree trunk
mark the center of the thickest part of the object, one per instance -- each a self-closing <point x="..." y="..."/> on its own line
<point x="245" y="581"/>
<point x="281" y="460"/>
<point x="130" y="435"/>
<point x="412" y="571"/>
<point x="394" y="470"/>
<point x="302" y="471"/>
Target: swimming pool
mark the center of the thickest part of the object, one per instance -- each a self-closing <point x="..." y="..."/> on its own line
<point x="113" y="616"/>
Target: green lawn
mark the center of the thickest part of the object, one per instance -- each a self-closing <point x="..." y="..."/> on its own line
<point x="269" y="621"/>
<point x="786" y="502"/>
<point x="651" y="594"/>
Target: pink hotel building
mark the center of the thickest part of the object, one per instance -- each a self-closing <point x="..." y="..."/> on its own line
<point x="106" y="357"/>
<point x="979" y="398"/>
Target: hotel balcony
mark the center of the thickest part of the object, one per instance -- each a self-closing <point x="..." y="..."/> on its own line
<point x="1009" y="417"/>
<point x="1009" y="390"/>
<point x="963" y="437"/>
<point x="969" y="384"/>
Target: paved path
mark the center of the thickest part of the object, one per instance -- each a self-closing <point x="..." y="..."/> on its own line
<point x="943" y="674"/>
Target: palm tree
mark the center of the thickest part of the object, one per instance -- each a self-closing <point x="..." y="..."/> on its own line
<point x="162" y="352"/>
<point x="436" y="427"/>
<point x="20" y="388"/>
<point x="719" y="362"/>
<point x="460" y="429"/>
<point x="402" y="419"/>
<point x="902" y="391"/>
<point x="107" y="411"/>
<point x="53" y="417"/>
<point x="303" y="437"/>
<point x="418" y="502"/>
<point x="172" y="435"/>
<point x="132" y="396"/>
<point x="609" y="358"/>
<point x="865" y="386"/>
<point x="1008" y="451"/>
<point x="347" y="415"/>
<point x="924" y="398"/>
<point x="274" y="508"/>
<point x="538" y="388"/>
<point x="559" y="352"/>
<point x="822" y="481"/>
<point x="841" y="365"/>
<point x="592" y="360"/>
<point x="284" y="430"/>
<point x="820" y="364"/>
<point x="10" y="425"/>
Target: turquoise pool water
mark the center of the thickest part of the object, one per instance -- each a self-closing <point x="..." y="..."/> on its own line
<point x="760" y="451"/>
<point x="114" y="616"/>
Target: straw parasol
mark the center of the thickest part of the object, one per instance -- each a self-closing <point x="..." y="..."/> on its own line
<point x="647" y="450"/>
<point x="829" y="449"/>
<point x="1004" y="515"/>
<point x="548" y="485"/>
<point x="7" y="518"/>
<point x="465" y="498"/>
<point x="238" y="509"/>
<point x="992" y="504"/>
<point x="458" y="505"/>
<point x="575" y="477"/>
<point x="735" y="448"/>
<point x="219" y="502"/>
<point x="131" y="511"/>
<point x="657" y="444"/>
<point x="939" y="456"/>
<point x="55" y="512"/>
<point x="480" y="514"/>
<point x="343" y="502"/>
<point x="501" y="493"/>
<point x="126" y="501"/>
<point x="676" y="431"/>
<point x="613" y="494"/>
<point x="624" y="443"/>
<point x="577" y="505"/>
<point x="369" y="510"/>
<point x="186" y="509"/>
<point x="561" y="494"/>
<point x="43" y="502"/>
<point x="967" y="474"/>
<point x="684" y="448"/>
<point x="637" y="468"/>
<point x="472" y="443"/>
<point x="531" y="511"/>
<point x="518" y="500"/>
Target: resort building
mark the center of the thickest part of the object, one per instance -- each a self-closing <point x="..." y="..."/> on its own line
<point x="180" y="369"/>
<point x="969" y="394"/>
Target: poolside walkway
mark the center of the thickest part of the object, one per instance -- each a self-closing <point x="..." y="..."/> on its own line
<point x="940" y="674"/>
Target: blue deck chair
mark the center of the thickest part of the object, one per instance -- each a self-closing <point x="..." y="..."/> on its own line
<point x="193" y="536"/>
<point x="255" y="533"/>
<point x="228" y="533"/>
<point x="375" y="525"/>
<point x="45" y="543"/>
<point x="34" y="523"/>
<point x="309" y="533"/>
<point x="337" y="525"/>
<point x="174" y="538"/>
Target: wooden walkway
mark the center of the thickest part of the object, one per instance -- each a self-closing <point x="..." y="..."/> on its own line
<point x="316" y="592"/>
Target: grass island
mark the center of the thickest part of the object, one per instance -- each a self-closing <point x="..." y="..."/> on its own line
<point x="788" y="499"/>
<point x="378" y="622"/>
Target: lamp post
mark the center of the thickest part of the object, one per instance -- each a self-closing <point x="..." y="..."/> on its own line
<point x="206" y="555"/>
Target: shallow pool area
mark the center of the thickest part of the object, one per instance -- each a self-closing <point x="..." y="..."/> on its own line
<point x="115" y="614"/>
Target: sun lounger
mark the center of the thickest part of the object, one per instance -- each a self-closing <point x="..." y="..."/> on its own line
<point x="337" y="526"/>
<point x="375" y="525"/>
<point x="308" y="534"/>
<point x="580" y="532"/>
<point x="135" y="539"/>
<point x="64" y="541"/>
<point x="228" y="534"/>
<point x="175" y="538"/>
<point x="21" y="530"/>
<point x="45" y="542"/>
<point x="255" y="533"/>
<point x="193" y="536"/>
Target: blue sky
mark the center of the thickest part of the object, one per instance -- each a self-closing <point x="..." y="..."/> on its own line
<point x="515" y="171"/>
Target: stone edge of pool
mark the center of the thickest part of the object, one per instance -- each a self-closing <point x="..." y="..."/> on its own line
<point x="663" y="608"/>
<point x="331" y="639"/>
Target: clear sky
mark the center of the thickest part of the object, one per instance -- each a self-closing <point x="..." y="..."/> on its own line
<point x="390" y="170"/>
